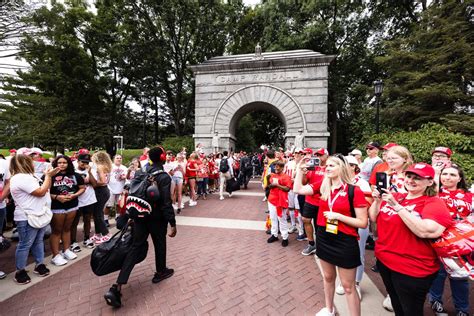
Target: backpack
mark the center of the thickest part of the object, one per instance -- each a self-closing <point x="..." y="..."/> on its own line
<point x="143" y="192"/>
<point x="246" y="165"/>
<point x="224" y="165"/>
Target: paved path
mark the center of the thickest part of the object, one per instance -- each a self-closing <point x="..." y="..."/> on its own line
<point x="222" y="263"/>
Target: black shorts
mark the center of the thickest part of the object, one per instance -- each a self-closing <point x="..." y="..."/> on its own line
<point x="309" y="210"/>
<point x="340" y="250"/>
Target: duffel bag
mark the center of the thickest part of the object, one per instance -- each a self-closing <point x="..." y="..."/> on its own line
<point x="232" y="185"/>
<point x="109" y="256"/>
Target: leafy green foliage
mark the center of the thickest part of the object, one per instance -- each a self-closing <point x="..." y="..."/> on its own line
<point x="177" y="143"/>
<point x="422" y="141"/>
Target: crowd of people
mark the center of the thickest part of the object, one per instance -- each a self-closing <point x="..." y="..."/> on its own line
<point x="337" y="202"/>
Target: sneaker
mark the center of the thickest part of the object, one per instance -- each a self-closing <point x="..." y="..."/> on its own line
<point x="325" y="312"/>
<point x="340" y="290"/>
<point x="284" y="242"/>
<point x="41" y="270"/>
<point x="75" y="247"/>
<point x="160" y="276"/>
<point x="292" y="230"/>
<point x="268" y="232"/>
<point x="230" y="195"/>
<point x="264" y="199"/>
<point x="175" y="206"/>
<point x="113" y="297"/>
<point x="272" y="239"/>
<point x="374" y="268"/>
<point x="461" y="313"/>
<point x="102" y="240"/>
<point x="95" y="237"/>
<point x="309" y="250"/>
<point x="387" y="304"/>
<point x="69" y="255"/>
<point x="58" y="260"/>
<point x="3" y="275"/>
<point x="21" y="277"/>
<point x="182" y="206"/>
<point x="302" y="237"/>
<point x="178" y="211"/>
<point x="221" y="198"/>
<point x="438" y="308"/>
<point x="192" y="203"/>
<point x="89" y="243"/>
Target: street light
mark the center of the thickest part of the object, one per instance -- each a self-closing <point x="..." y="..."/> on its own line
<point x="119" y="138"/>
<point x="378" y="89"/>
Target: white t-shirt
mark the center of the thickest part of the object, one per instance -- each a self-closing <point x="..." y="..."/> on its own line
<point x="117" y="179"/>
<point x="21" y="186"/>
<point x="367" y="167"/>
<point x="88" y="197"/>
<point x="167" y="167"/>
<point x="4" y="175"/>
<point x="40" y="167"/>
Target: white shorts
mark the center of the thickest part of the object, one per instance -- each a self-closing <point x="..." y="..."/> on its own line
<point x="113" y="200"/>
<point x="293" y="200"/>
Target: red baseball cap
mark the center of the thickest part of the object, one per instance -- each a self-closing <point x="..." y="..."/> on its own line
<point x="444" y="150"/>
<point x="12" y="150"/>
<point x="322" y="151"/>
<point x="389" y="145"/>
<point x="422" y="169"/>
<point x="83" y="151"/>
<point x="308" y="151"/>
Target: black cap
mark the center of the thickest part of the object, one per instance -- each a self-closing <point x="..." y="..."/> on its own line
<point x="84" y="157"/>
<point x="373" y="144"/>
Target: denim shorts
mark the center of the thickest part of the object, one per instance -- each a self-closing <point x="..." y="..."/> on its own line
<point x="63" y="211"/>
<point x="177" y="180"/>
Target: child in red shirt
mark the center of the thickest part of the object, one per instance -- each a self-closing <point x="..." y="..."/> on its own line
<point x="279" y="184"/>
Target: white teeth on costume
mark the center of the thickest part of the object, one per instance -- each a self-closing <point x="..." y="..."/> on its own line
<point x="141" y="205"/>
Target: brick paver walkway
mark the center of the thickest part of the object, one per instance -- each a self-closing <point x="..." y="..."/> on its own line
<point x="217" y="271"/>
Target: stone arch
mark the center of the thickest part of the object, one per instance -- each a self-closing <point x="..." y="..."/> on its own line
<point x="257" y="97"/>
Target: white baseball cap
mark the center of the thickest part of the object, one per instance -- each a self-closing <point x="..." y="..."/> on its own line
<point x="355" y="152"/>
<point x="352" y="160"/>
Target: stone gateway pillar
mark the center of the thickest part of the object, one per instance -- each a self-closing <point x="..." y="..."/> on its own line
<point x="292" y="85"/>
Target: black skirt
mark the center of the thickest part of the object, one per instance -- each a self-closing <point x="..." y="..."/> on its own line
<point x="340" y="250"/>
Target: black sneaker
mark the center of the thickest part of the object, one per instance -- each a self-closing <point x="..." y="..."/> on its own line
<point x="375" y="269"/>
<point x="284" y="242"/>
<point x="21" y="277"/>
<point x="160" y="276"/>
<point x="438" y="308"/>
<point x="41" y="270"/>
<point x="268" y="232"/>
<point x="272" y="239"/>
<point x="178" y="211"/>
<point x="113" y="297"/>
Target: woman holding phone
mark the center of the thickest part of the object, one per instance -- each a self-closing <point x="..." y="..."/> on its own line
<point x="406" y="223"/>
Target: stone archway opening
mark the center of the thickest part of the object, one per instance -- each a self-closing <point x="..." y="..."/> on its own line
<point x="257" y="124"/>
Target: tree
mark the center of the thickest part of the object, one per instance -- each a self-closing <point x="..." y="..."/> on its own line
<point x="430" y="71"/>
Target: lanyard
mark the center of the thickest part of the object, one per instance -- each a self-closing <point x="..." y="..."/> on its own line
<point x="332" y="201"/>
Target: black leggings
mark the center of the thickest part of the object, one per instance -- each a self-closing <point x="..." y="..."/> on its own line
<point x="408" y="294"/>
<point x="102" y="194"/>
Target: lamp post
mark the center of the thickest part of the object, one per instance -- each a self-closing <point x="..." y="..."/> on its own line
<point x="378" y="89"/>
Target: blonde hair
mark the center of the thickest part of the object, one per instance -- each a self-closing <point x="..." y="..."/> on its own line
<point x="344" y="175"/>
<point x="21" y="164"/>
<point x="102" y="159"/>
<point x="404" y="153"/>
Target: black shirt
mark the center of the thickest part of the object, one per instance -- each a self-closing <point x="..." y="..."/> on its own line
<point x="62" y="184"/>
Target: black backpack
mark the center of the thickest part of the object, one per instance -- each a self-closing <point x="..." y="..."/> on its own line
<point x="245" y="164"/>
<point x="224" y="165"/>
<point x="143" y="192"/>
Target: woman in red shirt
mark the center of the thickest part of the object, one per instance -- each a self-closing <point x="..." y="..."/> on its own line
<point x="191" y="172"/>
<point x="458" y="199"/>
<point x="336" y="235"/>
<point x="406" y="223"/>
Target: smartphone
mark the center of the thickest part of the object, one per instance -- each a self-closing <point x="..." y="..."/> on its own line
<point x="312" y="163"/>
<point x="381" y="181"/>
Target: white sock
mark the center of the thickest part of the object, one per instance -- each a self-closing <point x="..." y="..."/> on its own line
<point x="292" y="217"/>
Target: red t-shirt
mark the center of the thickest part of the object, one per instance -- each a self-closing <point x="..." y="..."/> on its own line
<point x="459" y="203"/>
<point x="381" y="167"/>
<point x="193" y="165"/>
<point x="341" y="205"/>
<point x="278" y="197"/>
<point x="313" y="177"/>
<point x="398" y="247"/>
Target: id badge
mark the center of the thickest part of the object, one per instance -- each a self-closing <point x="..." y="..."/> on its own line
<point x="331" y="226"/>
